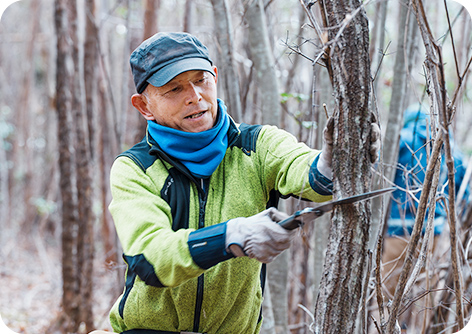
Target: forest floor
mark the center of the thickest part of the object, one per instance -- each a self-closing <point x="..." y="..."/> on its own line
<point x="31" y="283"/>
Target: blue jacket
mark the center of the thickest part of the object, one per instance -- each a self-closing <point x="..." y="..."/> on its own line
<point x="410" y="174"/>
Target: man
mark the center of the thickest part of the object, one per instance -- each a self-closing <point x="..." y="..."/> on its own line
<point x="190" y="201"/>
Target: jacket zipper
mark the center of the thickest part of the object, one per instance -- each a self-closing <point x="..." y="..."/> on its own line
<point x="202" y="197"/>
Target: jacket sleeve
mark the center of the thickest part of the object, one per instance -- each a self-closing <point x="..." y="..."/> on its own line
<point x="289" y="166"/>
<point x="143" y="220"/>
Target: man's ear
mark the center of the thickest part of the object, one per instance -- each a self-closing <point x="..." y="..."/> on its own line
<point x="216" y="73"/>
<point x="139" y="102"/>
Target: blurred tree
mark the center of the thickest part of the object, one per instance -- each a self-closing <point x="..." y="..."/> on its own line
<point x="70" y="297"/>
<point x="225" y="47"/>
<point x="263" y="62"/>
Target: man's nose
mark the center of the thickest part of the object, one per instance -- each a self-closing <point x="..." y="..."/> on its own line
<point x="193" y="94"/>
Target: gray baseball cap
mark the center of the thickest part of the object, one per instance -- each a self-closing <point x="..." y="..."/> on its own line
<point x="165" y="55"/>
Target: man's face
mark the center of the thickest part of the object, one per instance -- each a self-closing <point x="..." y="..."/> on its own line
<point x="187" y="103"/>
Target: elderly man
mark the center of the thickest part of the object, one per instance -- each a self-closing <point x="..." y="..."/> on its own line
<point x="193" y="202"/>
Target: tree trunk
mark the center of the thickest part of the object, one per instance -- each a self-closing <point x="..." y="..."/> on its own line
<point x="84" y="237"/>
<point x="277" y="273"/>
<point x="398" y="101"/>
<point x="24" y="125"/>
<point x="264" y="67"/>
<point x="68" y="208"/>
<point x="225" y="47"/>
<point x="108" y="148"/>
<point x="404" y="57"/>
<point x="150" y="18"/>
<point x="267" y="86"/>
<point x="150" y="28"/>
<point x="188" y="15"/>
<point x="85" y="247"/>
<point x="347" y="258"/>
<point x="90" y="70"/>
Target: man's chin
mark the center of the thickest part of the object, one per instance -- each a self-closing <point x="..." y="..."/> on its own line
<point x="204" y="124"/>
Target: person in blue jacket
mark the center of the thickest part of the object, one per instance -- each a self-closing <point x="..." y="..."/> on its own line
<point x="410" y="174"/>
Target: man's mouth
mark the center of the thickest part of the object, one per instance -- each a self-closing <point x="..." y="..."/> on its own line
<point x="196" y="115"/>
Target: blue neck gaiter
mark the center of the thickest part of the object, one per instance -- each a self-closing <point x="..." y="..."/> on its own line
<point x="200" y="152"/>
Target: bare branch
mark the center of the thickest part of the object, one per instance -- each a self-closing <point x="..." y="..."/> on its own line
<point x="415" y="236"/>
<point x="453" y="44"/>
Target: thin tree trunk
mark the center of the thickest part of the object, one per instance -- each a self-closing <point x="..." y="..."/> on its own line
<point x="267" y="86"/>
<point x="84" y="240"/>
<point x="397" y="101"/>
<point x="68" y="209"/>
<point x="90" y="70"/>
<point x="399" y="98"/>
<point x="24" y="125"/>
<point x="264" y="67"/>
<point x="150" y="28"/>
<point x="277" y="272"/>
<point x="376" y="56"/>
<point x="188" y="15"/>
<point x="5" y="201"/>
<point x="346" y="263"/>
<point x="150" y="18"/>
<point x="225" y="47"/>
<point x="84" y="153"/>
<point x="105" y="142"/>
<point x="438" y="101"/>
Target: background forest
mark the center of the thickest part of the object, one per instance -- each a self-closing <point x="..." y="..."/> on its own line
<point x="65" y="107"/>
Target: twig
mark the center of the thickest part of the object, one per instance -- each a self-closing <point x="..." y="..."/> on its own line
<point x="429" y="231"/>
<point x="415" y="236"/>
<point x="363" y="301"/>
<point x="384" y="53"/>
<point x="458" y="88"/>
<point x="453" y="44"/>
<point x="314" y="24"/>
<point x="378" y="283"/>
<point x="326" y="110"/>
<point x="437" y="92"/>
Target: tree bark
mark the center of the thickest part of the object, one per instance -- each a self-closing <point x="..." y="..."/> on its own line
<point x="347" y="257"/>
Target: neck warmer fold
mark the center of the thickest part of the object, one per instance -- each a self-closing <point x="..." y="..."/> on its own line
<point x="200" y="152"/>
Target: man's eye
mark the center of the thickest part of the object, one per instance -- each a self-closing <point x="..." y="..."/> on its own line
<point x="174" y="90"/>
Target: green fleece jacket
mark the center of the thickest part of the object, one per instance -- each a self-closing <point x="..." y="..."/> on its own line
<point x="172" y="229"/>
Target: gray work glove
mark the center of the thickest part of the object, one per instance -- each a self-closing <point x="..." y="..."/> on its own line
<point x="258" y="236"/>
<point x="326" y="156"/>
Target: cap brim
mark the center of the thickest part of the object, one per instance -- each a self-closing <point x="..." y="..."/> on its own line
<point x="167" y="73"/>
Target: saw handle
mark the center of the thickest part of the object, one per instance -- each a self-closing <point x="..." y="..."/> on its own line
<point x="294" y="220"/>
<point x="290" y="223"/>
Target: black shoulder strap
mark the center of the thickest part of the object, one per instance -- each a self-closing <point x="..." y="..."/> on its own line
<point x="247" y="138"/>
<point x="139" y="153"/>
<point x="176" y="192"/>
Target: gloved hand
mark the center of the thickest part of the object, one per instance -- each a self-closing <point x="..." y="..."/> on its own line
<point x="326" y="156"/>
<point x="258" y="236"/>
